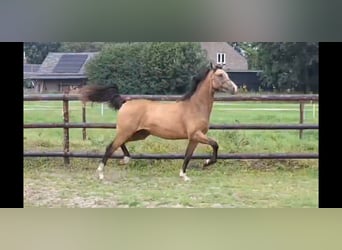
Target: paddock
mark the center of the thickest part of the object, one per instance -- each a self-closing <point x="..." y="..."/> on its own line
<point x="284" y="98"/>
<point x="292" y="173"/>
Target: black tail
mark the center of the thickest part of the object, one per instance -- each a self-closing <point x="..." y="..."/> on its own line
<point x="109" y="94"/>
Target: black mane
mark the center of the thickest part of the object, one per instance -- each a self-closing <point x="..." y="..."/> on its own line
<point x="196" y="80"/>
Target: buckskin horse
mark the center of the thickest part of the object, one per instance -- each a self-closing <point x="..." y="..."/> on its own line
<point x="187" y="118"/>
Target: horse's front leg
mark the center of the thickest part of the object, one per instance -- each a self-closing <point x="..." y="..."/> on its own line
<point x="188" y="153"/>
<point x="200" y="137"/>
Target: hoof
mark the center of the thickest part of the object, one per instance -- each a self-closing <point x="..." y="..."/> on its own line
<point x="183" y="176"/>
<point x="100" y="171"/>
<point x="101" y="176"/>
<point x="186" y="178"/>
<point x="208" y="162"/>
<point x="125" y="160"/>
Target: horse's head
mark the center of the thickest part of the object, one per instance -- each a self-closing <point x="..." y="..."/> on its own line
<point x="222" y="82"/>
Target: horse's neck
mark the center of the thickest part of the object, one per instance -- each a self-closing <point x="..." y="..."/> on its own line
<point x="203" y="98"/>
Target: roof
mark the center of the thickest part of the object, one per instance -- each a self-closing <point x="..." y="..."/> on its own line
<point x="234" y="61"/>
<point x="63" y="66"/>
<point x="243" y="71"/>
<point x="30" y="69"/>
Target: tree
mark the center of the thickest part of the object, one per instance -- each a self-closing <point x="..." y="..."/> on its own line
<point x="249" y="51"/>
<point x="147" y="68"/>
<point x="36" y="52"/>
<point x="118" y="64"/>
<point x="289" y="66"/>
<point x="285" y="66"/>
<point x="171" y="65"/>
<point x="81" y="46"/>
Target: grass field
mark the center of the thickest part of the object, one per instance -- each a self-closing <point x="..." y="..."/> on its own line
<point x="155" y="183"/>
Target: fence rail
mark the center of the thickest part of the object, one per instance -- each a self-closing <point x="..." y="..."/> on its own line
<point x="66" y="154"/>
<point x="230" y="98"/>
<point x="212" y="126"/>
<point x="178" y="156"/>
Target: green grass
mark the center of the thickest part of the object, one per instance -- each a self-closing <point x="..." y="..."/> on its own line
<point x="155" y="183"/>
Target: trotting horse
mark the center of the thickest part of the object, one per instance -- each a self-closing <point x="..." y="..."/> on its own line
<point x="187" y="118"/>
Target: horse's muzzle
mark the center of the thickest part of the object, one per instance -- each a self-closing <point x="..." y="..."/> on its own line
<point x="230" y="87"/>
<point x="231" y="91"/>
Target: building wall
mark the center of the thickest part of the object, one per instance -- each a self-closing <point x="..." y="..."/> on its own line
<point x="249" y="80"/>
<point x="57" y="86"/>
<point x="234" y="60"/>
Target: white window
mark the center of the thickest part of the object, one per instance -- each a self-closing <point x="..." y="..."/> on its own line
<point x="221" y="58"/>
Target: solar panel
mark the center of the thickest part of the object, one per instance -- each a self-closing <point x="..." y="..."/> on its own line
<point x="70" y="63"/>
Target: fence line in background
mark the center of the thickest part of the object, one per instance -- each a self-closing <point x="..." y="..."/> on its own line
<point x="230" y="98"/>
<point x="179" y="156"/>
<point x="302" y="99"/>
<point x="212" y="126"/>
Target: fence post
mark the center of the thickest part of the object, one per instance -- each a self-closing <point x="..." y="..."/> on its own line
<point x="84" y="132"/>
<point x="66" y="130"/>
<point x="301" y="118"/>
<point x="313" y="110"/>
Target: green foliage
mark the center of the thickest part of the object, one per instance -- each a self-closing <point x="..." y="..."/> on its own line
<point x="118" y="64"/>
<point x="249" y="51"/>
<point x="147" y="68"/>
<point x="36" y="52"/>
<point x="286" y="66"/>
<point x="81" y="47"/>
<point x="289" y="66"/>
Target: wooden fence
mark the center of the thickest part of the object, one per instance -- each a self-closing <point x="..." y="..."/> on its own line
<point x="66" y="154"/>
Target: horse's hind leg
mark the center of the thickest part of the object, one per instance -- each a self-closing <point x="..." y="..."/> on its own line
<point x="114" y="145"/>
<point x="127" y="155"/>
<point x="138" y="135"/>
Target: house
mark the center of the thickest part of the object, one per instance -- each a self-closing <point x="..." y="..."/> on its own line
<point x="223" y="53"/>
<point x="29" y="71"/>
<point x="234" y="64"/>
<point x="60" y="72"/>
<point x="247" y="80"/>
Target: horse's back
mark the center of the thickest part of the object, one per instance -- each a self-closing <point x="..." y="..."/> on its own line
<point x="151" y="108"/>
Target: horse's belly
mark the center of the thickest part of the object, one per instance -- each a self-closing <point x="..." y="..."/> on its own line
<point x="168" y="131"/>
